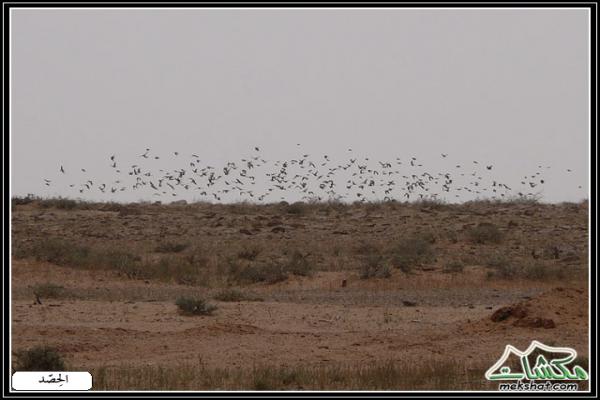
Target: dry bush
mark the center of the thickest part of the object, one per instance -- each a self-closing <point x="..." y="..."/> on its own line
<point x="297" y="208"/>
<point x="21" y="201"/>
<point x="267" y="272"/>
<point x="432" y="204"/>
<point x="171" y="247"/>
<point x="366" y="248"/>
<point x="49" y="291"/>
<point x="194" y="306"/>
<point x="298" y="264"/>
<point x="61" y="203"/>
<point x="39" y="358"/>
<point x="484" y="233"/>
<point x="249" y="252"/>
<point x="58" y="251"/>
<point x="452" y="236"/>
<point x="130" y="209"/>
<point x="412" y="251"/>
<point x="454" y="267"/>
<point x="382" y="375"/>
<point x="233" y="295"/>
<point x="540" y="271"/>
<point x="240" y="208"/>
<point x="176" y="269"/>
<point x="501" y="266"/>
<point x="373" y="266"/>
<point x="505" y="268"/>
<point x="184" y="270"/>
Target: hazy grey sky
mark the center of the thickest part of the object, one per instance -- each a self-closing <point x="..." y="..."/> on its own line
<point x="504" y="87"/>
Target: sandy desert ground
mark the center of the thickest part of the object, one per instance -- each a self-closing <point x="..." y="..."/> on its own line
<point x="307" y="296"/>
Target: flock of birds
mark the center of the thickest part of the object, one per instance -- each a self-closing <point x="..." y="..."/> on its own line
<point x="255" y="179"/>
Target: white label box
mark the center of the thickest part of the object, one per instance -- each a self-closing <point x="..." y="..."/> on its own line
<point x="51" y="380"/>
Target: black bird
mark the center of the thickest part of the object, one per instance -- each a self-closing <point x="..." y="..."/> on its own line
<point x="62" y="169"/>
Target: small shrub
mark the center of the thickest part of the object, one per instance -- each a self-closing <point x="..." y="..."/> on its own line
<point x="249" y="253"/>
<point x="373" y="267"/>
<point x="117" y="259"/>
<point x="176" y="269"/>
<point x="60" y="252"/>
<point x="60" y="203"/>
<point x="366" y="248"/>
<point x="127" y="210"/>
<point x="269" y="273"/>
<point x="504" y="268"/>
<point x="540" y="271"/>
<point x="428" y="236"/>
<point x="297" y="208"/>
<point x="39" y="358"/>
<point x="171" y="247"/>
<point x="20" y="201"/>
<point x="454" y="266"/>
<point x="234" y="295"/>
<point x="484" y="233"/>
<point x="452" y="236"/>
<point x="433" y="204"/>
<point x="298" y="264"/>
<point x="194" y="306"/>
<point x="48" y="291"/>
<point x="410" y="252"/>
<point x="501" y="266"/>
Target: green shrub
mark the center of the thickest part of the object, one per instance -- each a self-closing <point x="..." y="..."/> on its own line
<point x="39" y="358"/>
<point x="194" y="306"/>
